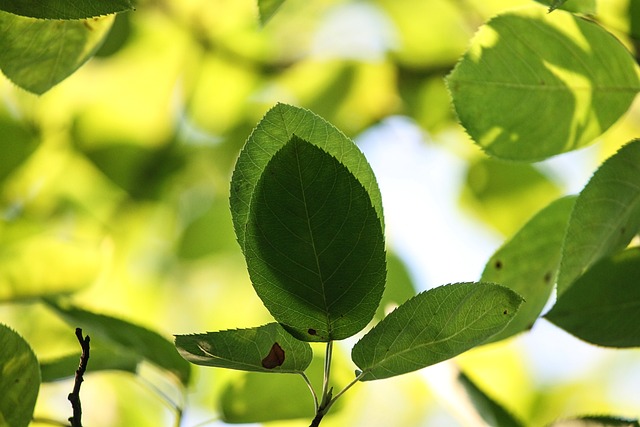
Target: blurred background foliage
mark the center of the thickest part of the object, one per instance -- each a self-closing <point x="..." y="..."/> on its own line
<point x="114" y="189"/>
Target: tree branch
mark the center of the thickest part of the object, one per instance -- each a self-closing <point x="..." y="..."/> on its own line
<point x="74" y="396"/>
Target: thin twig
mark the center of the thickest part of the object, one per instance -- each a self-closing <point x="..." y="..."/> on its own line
<point x="74" y="396"/>
<point x="313" y="392"/>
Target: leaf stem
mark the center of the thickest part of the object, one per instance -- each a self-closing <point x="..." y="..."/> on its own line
<point x="327" y="373"/>
<point x="313" y="392"/>
<point x="343" y="391"/>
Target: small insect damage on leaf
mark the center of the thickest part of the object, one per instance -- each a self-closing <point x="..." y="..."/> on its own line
<point x="312" y="331"/>
<point x="505" y="312"/>
<point x="275" y="357"/>
<point x="547" y="277"/>
<point x="498" y="264"/>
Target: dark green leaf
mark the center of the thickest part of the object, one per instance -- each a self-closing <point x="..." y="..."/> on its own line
<point x="275" y="130"/>
<point x="64" y="9"/>
<point x="554" y="83"/>
<point x="268" y="8"/>
<point x="267" y="348"/>
<point x="19" y="379"/>
<point x="603" y="306"/>
<point x="598" y="421"/>
<point x="434" y="326"/>
<point x="606" y="215"/>
<point x="528" y="263"/>
<point x="38" y="54"/>
<point x="314" y="245"/>
<point x="490" y="411"/>
<point x="103" y="358"/>
<point x="128" y="338"/>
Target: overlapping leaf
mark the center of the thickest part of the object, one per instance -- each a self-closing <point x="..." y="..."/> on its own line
<point x="268" y="8"/>
<point x="38" y="54"/>
<point x="606" y="215"/>
<point x="128" y="338"/>
<point x="314" y="245"/>
<point x="596" y="421"/>
<point x="603" y="305"/>
<point x="528" y="263"/>
<point x="19" y="379"/>
<point x="490" y="411"/>
<point x="554" y="83"/>
<point x="275" y="130"/>
<point x="433" y="326"/>
<point x="64" y="9"/>
<point x="267" y="348"/>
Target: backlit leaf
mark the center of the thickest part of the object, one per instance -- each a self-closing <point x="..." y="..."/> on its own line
<point x="314" y="245"/>
<point x="528" y="263"/>
<point x="598" y="421"/>
<point x="274" y="131"/>
<point x="37" y="54"/>
<point x="267" y="348"/>
<point x="18" y="142"/>
<point x="127" y="337"/>
<point x="490" y="411"/>
<point x="19" y="379"/>
<point x="603" y="305"/>
<point x="434" y="326"/>
<point x="553" y="81"/>
<point x="64" y="9"/>
<point x="606" y="215"/>
<point x="268" y="8"/>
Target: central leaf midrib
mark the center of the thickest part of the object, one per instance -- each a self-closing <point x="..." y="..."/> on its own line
<point x="312" y="241"/>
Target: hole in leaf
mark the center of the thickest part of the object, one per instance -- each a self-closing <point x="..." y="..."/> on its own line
<point x="505" y="312"/>
<point x="275" y="357"/>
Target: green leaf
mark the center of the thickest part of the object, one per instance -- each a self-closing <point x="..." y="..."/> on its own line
<point x="64" y="9"/>
<point x="274" y="131"/>
<point x="19" y="379"/>
<point x="528" y="263"/>
<point x="554" y="83"/>
<point x="603" y="306"/>
<point x="434" y="326"/>
<point x="399" y="287"/>
<point x="314" y="245"/>
<point x="268" y="8"/>
<point x="38" y="54"/>
<point x="103" y="358"/>
<point x="18" y="142"/>
<point x="606" y="215"/>
<point x="126" y="337"/>
<point x="490" y="411"/>
<point x="267" y="348"/>
<point x="598" y="421"/>
<point x="587" y="7"/>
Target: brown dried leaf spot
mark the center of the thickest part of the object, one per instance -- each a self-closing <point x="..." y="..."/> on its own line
<point x="275" y="357"/>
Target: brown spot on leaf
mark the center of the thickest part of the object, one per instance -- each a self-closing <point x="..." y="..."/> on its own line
<point x="275" y="357"/>
<point x="312" y="331"/>
<point x="505" y="312"/>
<point x="547" y="277"/>
<point x="498" y="264"/>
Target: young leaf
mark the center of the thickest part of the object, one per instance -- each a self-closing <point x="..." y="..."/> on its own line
<point x="529" y="261"/>
<point x="274" y="131"/>
<point x="19" y="379"/>
<point x="554" y="83"/>
<point x="490" y="411"/>
<point x="606" y="215"/>
<point x="267" y="348"/>
<point x="64" y="9"/>
<point x="126" y="337"/>
<point x="603" y="305"/>
<point x="433" y="326"/>
<point x="38" y="54"/>
<point x="267" y="9"/>
<point x="598" y="421"/>
<point x="314" y="245"/>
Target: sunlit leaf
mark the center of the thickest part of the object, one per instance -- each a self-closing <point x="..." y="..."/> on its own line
<point x="314" y="245"/>
<point x="504" y="194"/>
<point x="71" y="264"/>
<point x="127" y="337"/>
<point x="606" y="215"/>
<point x="268" y="348"/>
<point x="64" y="9"/>
<point x="19" y="379"/>
<point x="38" y="54"/>
<point x="433" y="326"/>
<point x="275" y="130"/>
<point x="528" y="263"/>
<point x="598" y="421"/>
<point x="268" y="8"/>
<point x="103" y="358"/>
<point x="603" y="305"/>
<point x="587" y="7"/>
<point x="554" y="82"/>
<point x="490" y="411"/>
